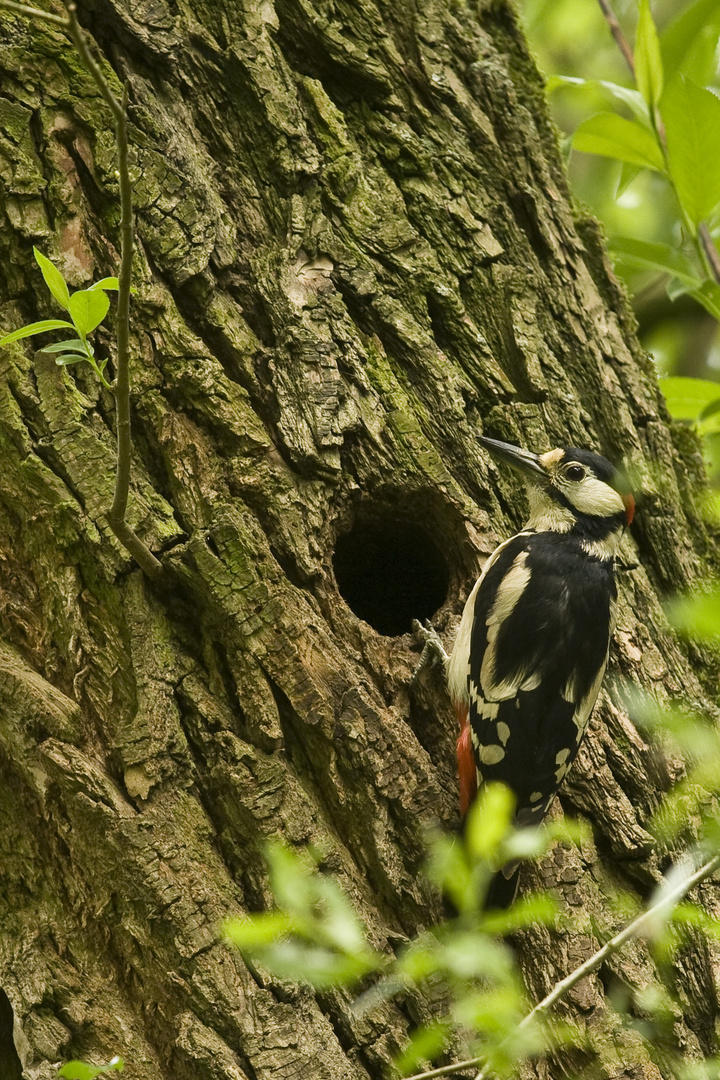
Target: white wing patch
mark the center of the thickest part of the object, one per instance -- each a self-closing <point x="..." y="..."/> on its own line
<point x="510" y="590"/>
<point x="458" y="666"/>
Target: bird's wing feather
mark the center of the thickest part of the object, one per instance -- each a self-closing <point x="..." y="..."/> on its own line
<point x="538" y="652"/>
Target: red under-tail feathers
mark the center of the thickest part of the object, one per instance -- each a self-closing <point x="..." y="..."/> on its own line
<point x="466" y="762"/>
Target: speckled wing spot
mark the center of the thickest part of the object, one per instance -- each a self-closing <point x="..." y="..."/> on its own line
<point x="491" y="755"/>
<point x="503" y="732"/>
<point x="536" y="796"/>
<point x="562" y="757"/>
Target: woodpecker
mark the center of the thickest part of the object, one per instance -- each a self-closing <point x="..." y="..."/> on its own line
<point x="533" y="642"/>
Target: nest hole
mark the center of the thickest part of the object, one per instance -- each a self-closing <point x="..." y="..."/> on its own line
<point x="390" y="571"/>
<point x="10" y="1064"/>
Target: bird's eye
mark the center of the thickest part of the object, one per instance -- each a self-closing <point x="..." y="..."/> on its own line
<point x="575" y="472"/>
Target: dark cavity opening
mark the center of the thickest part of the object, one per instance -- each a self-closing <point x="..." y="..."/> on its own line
<point x="10" y="1064"/>
<point x="390" y="572"/>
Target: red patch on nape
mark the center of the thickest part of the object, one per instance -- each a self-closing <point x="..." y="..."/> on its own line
<point x="629" y="507"/>
<point x="467" y="772"/>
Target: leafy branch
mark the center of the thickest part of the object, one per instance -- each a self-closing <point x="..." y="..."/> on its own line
<point x="314" y="935"/>
<point x="644" y="923"/>
<point x="674" y="130"/>
<point x="88" y="307"/>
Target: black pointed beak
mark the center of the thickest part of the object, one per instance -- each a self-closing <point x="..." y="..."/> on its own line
<point x="523" y="461"/>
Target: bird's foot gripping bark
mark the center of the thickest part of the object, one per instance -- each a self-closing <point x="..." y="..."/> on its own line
<point x="433" y="650"/>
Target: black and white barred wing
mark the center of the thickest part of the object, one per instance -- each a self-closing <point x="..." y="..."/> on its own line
<point x="538" y="652"/>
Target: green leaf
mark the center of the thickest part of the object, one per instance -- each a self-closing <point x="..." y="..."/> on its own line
<point x="632" y="98"/>
<point x="302" y="961"/>
<point x="35" y="328"/>
<point x="339" y="924"/>
<point x="53" y="279"/>
<point x="687" y="398"/>
<point x="695" y="31"/>
<point x="628" y="173"/>
<point x="470" y="955"/>
<point x="69" y="345"/>
<point x="425" y="1044"/>
<point x="88" y="309"/>
<point x="258" y="930"/>
<point x="80" y="1070"/>
<point x="527" y="911"/>
<point x="659" y="257"/>
<point x="648" y="59"/>
<point x="419" y="958"/>
<point x="691" y="115"/>
<point x="489" y="821"/>
<point x="107" y="283"/>
<point x="676" y="287"/>
<point x="69" y="358"/>
<point x="697" y="615"/>
<point x="448" y="868"/>
<point x="610" y="135"/>
<point x="291" y="879"/>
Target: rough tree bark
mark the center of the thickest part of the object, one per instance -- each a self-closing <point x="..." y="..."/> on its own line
<point x="356" y="252"/>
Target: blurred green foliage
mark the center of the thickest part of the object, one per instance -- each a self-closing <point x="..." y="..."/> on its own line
<point x="315" y="936"/>
<point x="593" y="90"/>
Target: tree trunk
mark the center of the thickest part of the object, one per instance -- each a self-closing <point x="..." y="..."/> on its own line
<point x="356" y="253"/>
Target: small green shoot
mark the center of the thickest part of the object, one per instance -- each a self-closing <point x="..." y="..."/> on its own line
<point x="87" y="308"/>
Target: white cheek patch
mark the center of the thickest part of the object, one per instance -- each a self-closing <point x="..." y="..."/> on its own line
<point x="593" y="497"/>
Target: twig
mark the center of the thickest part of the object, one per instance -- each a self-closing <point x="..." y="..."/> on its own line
<point x="35" y="13"/>
<point x="116" y="515"/>
<point x="447" y="1070"/>
<point x="633" y="929"/>
<point x="616" y="31"/>
<point x="711" y="251"/>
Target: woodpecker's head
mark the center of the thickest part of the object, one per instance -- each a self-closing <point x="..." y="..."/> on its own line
<point x="571" y="490"/>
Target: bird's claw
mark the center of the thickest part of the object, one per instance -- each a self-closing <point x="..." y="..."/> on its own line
<point x="433" y="649"/>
